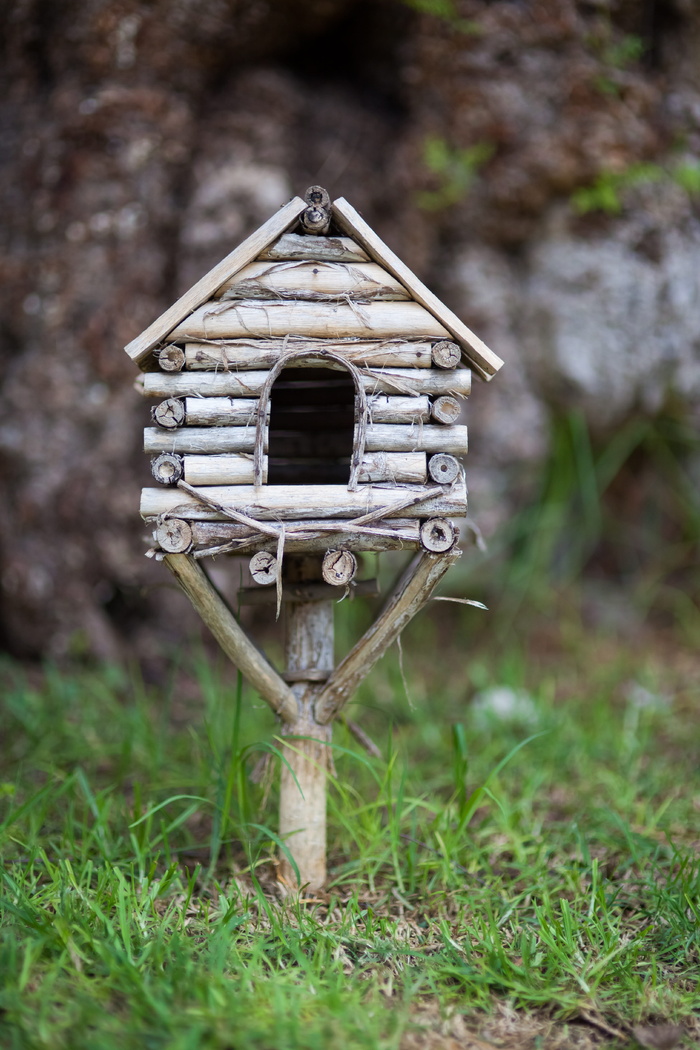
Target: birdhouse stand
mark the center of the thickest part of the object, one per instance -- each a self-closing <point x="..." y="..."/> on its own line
<point x="308" y="393"/>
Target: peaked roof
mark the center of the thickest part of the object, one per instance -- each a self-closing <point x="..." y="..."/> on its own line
<point x="476" y="353"/>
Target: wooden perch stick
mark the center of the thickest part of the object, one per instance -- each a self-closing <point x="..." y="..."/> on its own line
<point x="401" y="381"/>
<point x="261" y="318"/>
<point x="411" y="593"/>
<point x="209" y="604"/>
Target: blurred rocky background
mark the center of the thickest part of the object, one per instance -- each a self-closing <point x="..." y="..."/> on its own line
<point x="537" y="162"/>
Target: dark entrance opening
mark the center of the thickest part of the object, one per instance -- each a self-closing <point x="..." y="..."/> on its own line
<point x="312" y="416"/>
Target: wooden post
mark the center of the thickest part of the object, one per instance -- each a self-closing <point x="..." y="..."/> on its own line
<point x="309" y="658"/>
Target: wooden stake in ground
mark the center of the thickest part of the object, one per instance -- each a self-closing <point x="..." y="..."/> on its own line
<point x="309" y="658"/>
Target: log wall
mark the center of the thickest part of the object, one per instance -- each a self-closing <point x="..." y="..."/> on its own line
<point x="387" y="404"/>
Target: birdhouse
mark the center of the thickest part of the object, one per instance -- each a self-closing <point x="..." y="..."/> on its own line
<point x="309" y="379"/>
<point x="308" y="394"/>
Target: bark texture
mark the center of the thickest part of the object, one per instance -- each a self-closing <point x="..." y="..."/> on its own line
<point x="140" y="142"/>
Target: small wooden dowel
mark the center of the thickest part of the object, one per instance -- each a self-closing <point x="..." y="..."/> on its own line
<point x="397" y="467"/>
<point x="383" y="408"/>
<point x="411" y="593"/>
<point x="210" y="440"/>
<point x="312" y="280"/>
<point x="213" y="610"/>
<point x="269" y="318"/>
<point x="401" y="381"/>
<point x="322" y="249"/>
<point x="405" y="381"/>
<point x="297" y="503"/>
<point x="388" y="438"/>
<point x="250" y="354"/>
<point x="221" y="411"/>
<point x="232" y="469"/>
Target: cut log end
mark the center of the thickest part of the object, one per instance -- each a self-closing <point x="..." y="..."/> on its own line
<point x="446" y="354"/>
<point x="318" y="196"/>
<point x="169" y="414"/>
<point x="445" y="409"/>
<point x="171" y="359"/>
<point x="174" y="536"/>
<point x="263" y="568"/>
<point x="167" y="468"/>
<point x="438" y="535"/>
<point x="316" y="218"/>
<point x="443" y="469"/>
<point x="316" y="221"/>
<point x="339" y="567"/>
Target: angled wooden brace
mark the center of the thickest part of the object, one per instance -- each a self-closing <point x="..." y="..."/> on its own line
<point x="410" y="594"/>
<point x="233" y="640"/>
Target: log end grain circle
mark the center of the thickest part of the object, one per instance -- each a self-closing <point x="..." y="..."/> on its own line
<point x="445" y="409"/>
<point x="167" y="468"/>
<point x="263" y="568"/>
<point x="438" y="535"/>
<point x="174" y="536"/>
<point x="443" y="469"/>
<point x="338" y="567"/>
<point x="169" y="414"/>
<point x="172" y="359"/>
<point x="446" y="354"/>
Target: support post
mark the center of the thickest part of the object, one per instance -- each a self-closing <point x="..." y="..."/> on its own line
<point x="309" y="658"/>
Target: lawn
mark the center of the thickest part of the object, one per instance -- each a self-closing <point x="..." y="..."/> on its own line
<point x="520" y="868"/>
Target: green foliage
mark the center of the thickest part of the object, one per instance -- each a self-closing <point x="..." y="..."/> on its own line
<point x="607" y="193"/>
<point x="446" y="10"/>
<point x="687" y="175"/>
<point x="455" y="170"/>
<point x="623" y="52"/>
<point x="552" y="869"/>
<point x="616" y="54"/>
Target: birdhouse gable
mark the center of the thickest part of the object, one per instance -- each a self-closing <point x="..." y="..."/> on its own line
<point x="310" y="378"/>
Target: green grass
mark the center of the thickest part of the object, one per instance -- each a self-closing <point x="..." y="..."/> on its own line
<point x="541" y="870"/>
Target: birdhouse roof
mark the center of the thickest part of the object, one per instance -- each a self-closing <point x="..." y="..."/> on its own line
<point x="345" y="218"/>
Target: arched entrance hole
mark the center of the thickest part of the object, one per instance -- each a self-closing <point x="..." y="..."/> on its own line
<point x="312" y="425"/>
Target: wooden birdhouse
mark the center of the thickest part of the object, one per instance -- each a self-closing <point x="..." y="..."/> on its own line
<point x="308" y="394"/>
